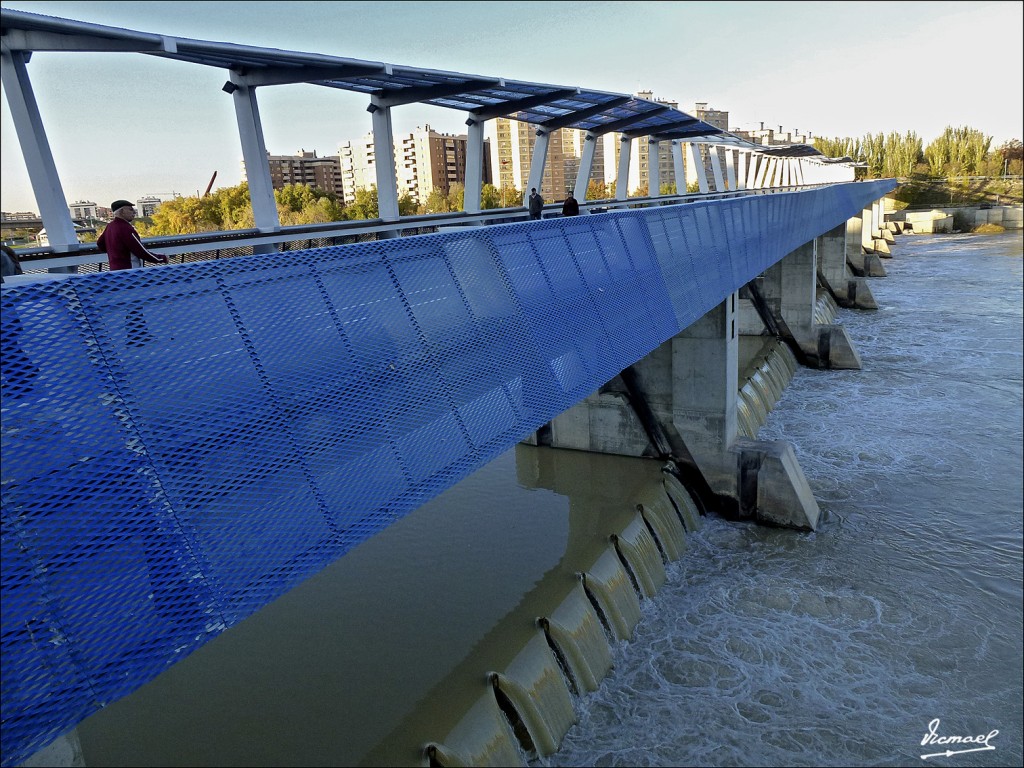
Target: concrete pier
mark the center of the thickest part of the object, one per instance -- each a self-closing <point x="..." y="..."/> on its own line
<point x="680" y="403"/>
<point x="860" y="256"/>
<point x="849" y="290"/>
<point x="789" y="289"/>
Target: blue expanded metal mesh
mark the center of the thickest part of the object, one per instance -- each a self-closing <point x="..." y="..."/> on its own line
<point x="182" y="445"/>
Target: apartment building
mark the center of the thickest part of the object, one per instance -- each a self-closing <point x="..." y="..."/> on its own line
<point x="511" y="151"/>
<point x="425" y="160"/>
<point x="512" y="145"/>
<point x="305" y="168"/>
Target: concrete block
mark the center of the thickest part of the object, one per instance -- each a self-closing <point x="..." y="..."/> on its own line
<point x="873" y="266"/>
<point x="859" y="295"/>
<point x="772" y="478"/>
<point x="841" y="353"/>
<point x="881" y="248"/>
<point x="571" y="429"/>
<point x="63" y="752"/>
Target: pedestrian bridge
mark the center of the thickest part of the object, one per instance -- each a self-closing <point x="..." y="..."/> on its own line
<point x="291" y="405"/>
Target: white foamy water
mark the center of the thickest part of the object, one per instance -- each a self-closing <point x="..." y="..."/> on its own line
<point x="840" y="647"/>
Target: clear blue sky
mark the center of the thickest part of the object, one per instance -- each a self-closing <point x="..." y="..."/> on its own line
<point x="125" y="125"/>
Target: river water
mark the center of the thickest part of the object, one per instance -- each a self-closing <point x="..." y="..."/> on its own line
<point x="764" y="647"/>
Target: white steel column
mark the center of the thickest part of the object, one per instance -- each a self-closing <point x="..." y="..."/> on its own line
<point x="698" y="167"/>
<point x="679" y="166"/>
<point x="254" y="154"/>
<point x="586" y="165"/>
<point x="730" y="168"/>
<point x="42" y="172"/>
<point x="798" y="172"/>
<point x="716" y="168"/>
<point x="653" y="169"/>
<point x="741" y="170"/>
<point x="540" y="156"/>
<point x="384" y="160"/>
<point x="474" y="166"/>
<point x="753" y="170"/>
<point x="622" y="179"/>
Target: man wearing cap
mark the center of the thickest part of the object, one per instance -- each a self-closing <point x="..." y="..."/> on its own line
<point x="121" y="241"/>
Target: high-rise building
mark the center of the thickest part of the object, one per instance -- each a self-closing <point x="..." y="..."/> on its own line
<point x="718" y="119"/>
<point x="305" y="168"/>
<point x="424" y="160"/>
<point x="427" y="160"/>
<point x="511" y="145"/>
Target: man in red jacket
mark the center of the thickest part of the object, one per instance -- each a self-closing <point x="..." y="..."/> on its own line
<point x="124" y="249"/>
<point x="121" y="242"/>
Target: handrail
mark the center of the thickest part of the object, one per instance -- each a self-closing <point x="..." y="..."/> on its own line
<point x="34" y="259"/>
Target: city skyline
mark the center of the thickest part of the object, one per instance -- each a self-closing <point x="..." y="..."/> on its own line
<point x="835" y="69"/>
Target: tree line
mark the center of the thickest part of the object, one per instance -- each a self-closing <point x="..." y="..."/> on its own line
<point x="958" y="152"/>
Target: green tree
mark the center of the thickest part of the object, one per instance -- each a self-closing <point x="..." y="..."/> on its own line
<point x="456" y="197"/>
<point x="511" y="197"/>
<point x="958" y="152"/>
<point x="364" y="206"/>
<point x="597" y="190"/>
<point x="668" y="189"/>
<point x="490" y="197"/>
<point x="437" y="202"/>
<point x="407" y="205"/>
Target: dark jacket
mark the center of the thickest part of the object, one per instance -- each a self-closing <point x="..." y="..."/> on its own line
<point x="536" y="204"/>
<point x="570" y="207"/>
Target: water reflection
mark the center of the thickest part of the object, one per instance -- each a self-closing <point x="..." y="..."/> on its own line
<point x="387" y="649"/>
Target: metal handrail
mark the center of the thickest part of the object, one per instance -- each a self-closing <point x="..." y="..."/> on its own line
<point x="45" y="258"/>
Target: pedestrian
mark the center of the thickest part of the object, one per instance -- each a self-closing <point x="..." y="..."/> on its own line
<point x="121" y="242"/>
<point x="11" y="264"/>
<point x="536" y="204"/>
<point x="570" y="207"/>
<point x="124" y="249"/>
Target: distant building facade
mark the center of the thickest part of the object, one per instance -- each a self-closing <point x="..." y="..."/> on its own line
<point x="83" y="210"/>
<point x="425" y="160"/>
<point x="147" y="206"/>
<point x="307" y="169"/>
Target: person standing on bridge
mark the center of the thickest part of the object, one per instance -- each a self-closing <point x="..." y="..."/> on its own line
<point x="124" y="249"/>
<point x="536" y="204"/>
<point x="570" y="207"/>
<point x="121" y="241"/>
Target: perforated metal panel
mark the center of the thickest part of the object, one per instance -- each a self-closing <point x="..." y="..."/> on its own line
<point x="182" y="445"/>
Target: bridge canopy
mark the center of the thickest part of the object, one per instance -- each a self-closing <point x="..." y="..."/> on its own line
<point x="482" y="96"/>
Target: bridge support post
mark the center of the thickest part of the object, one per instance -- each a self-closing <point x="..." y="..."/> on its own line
<point x="680" y="403"/>
<point x="790" y="291"/>
<point x="622" y="175"/>
<point x="42" y="171"/>
<point x="863" y="262"/>
<point x="586" y="165"/>
<point x="254" y="154"/>
<point x="848" y="290"/>
<point x="716" y="168"/>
